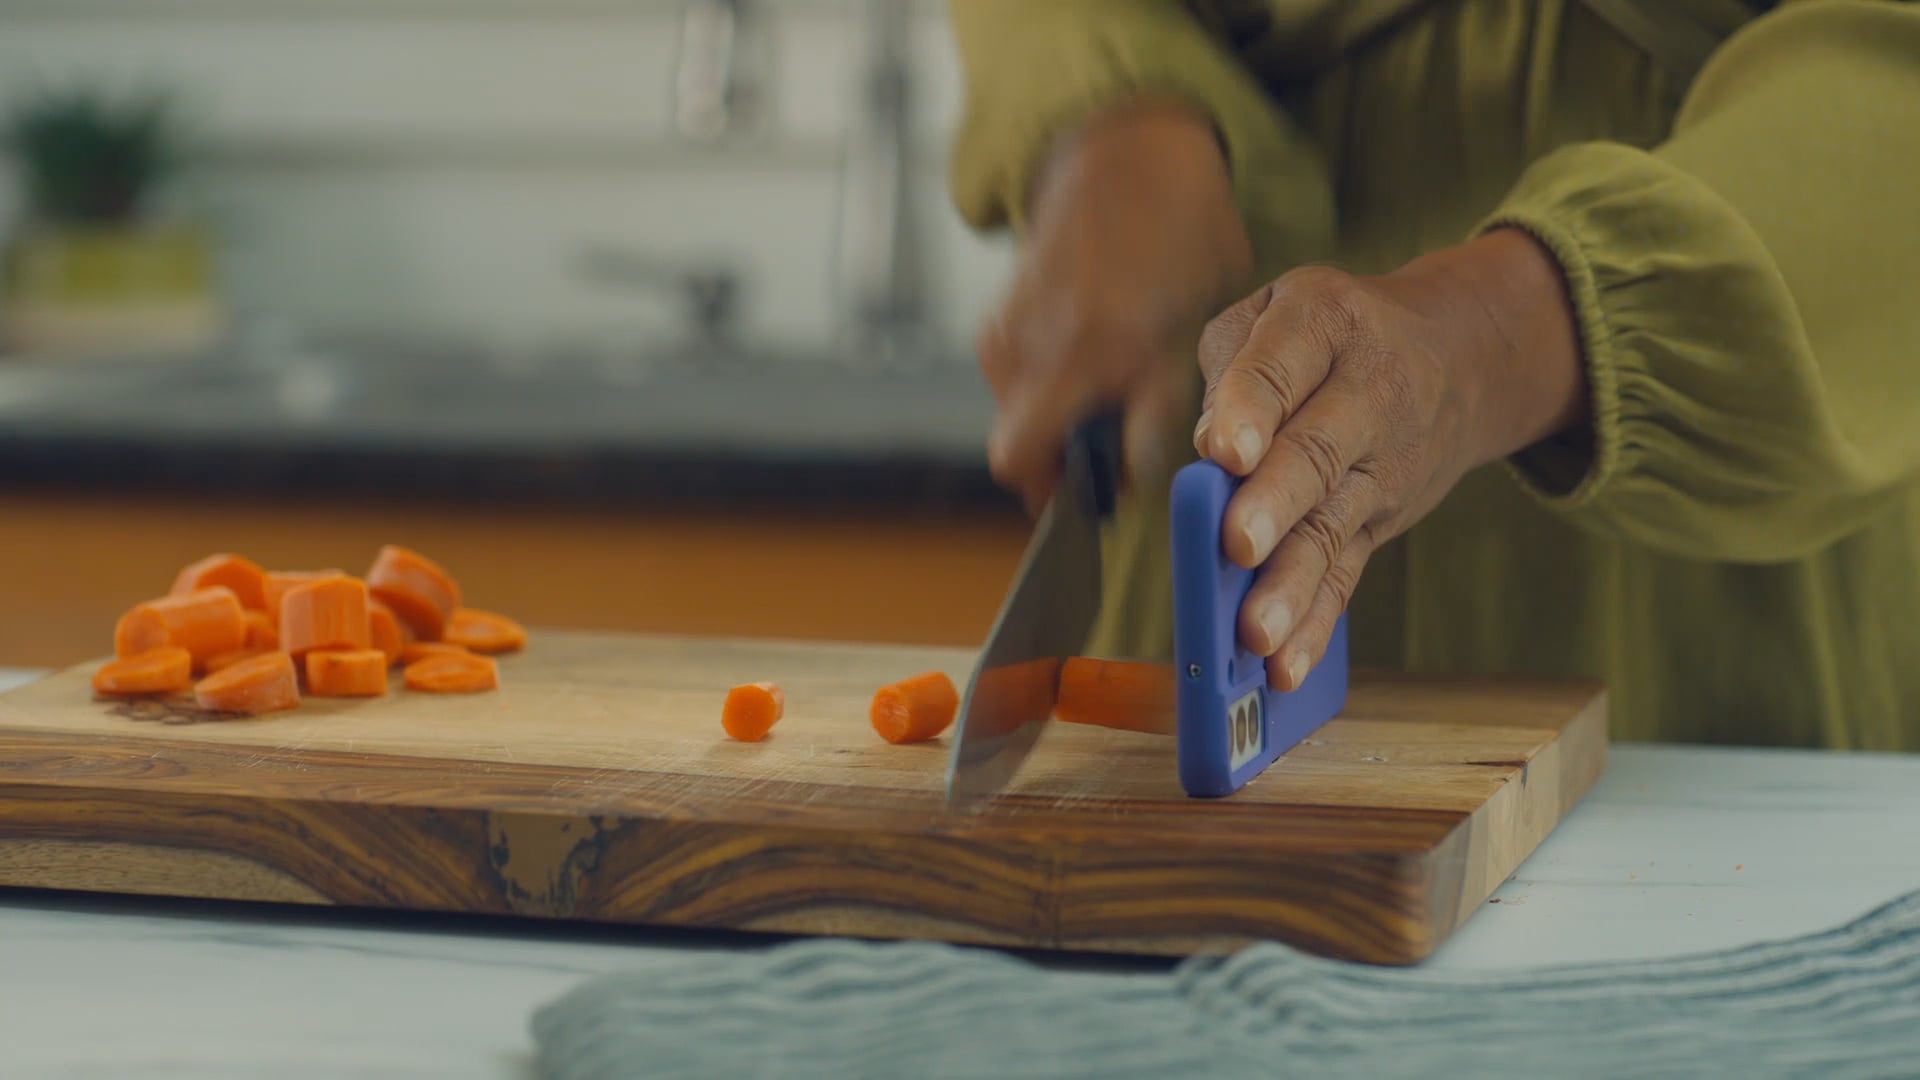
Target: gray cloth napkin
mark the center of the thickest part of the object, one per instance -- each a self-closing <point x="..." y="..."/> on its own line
<point x="1835" y="1005"/>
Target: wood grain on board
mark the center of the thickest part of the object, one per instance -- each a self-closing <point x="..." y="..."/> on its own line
<point x="597" y="785"/>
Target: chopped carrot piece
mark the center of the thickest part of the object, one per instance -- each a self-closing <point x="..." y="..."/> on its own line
<point x="330" y="613"/>
<point x="203" y="622"/>
<point x="383" y="630"/>
<point x="420" y="650"/>
<point x="751" y="710"/>
<point x="244" y="576"/>
<point x="276" y="583"/>
<point x="263" y="631"/>
<point x="259" y="684"/>
<point x="165" y="670"/>
<point x="914" y="709"/>
<point x="225" y="660"/>
<point x="453" y="673"/>
<point x="1124" y="694"/>
<point x="347" y="673"/>
<point x="484" y="632"/>
<point x="139" y="630"/>
<point x="418" y="590"/>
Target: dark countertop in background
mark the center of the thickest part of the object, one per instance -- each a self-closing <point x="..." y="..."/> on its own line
<point x="367" y="426"/>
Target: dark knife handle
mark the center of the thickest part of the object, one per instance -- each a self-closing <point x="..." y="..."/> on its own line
<point x="1097" y="443"/>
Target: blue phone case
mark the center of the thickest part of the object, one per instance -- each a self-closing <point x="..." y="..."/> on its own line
<point x="1232" y="724"/>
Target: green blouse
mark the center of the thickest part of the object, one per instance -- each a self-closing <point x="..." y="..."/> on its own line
<point x="1734" y="547"/>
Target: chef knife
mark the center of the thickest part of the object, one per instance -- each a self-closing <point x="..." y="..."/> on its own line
<point x="1044" y="620"/>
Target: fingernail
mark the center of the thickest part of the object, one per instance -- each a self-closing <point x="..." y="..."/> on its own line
<point x="1246" y="445"/>
<point x="1276" y="619"/>
<point x="1297" y="670"/>
<point x="1261" y="535"/>
<point x="1200" y="431"/>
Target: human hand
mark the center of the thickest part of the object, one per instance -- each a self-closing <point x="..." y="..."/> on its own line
<point x="1352" y="405"/>
<point x="1134" y="242"/>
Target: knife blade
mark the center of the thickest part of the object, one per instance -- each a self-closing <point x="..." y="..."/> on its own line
<point x="1045" y="619"/>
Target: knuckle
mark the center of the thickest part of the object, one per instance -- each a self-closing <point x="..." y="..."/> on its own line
<point x="1329" y="302"/>
<point x="1343" y="578"/>
<point x="1321" y="531"/>
<point x="1226" y="333"/>
<point x="1266" y="381"/>
<point x="1320" y="452"/>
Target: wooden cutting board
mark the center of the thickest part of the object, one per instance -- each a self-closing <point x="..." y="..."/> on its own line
<point x="597" y="785"/>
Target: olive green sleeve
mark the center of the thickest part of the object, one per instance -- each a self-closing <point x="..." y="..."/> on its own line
<point x="1748" y="295"/>
<point x="1036" y="68"/>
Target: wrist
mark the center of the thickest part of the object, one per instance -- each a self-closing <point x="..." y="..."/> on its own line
<point x="1519" y="351"/>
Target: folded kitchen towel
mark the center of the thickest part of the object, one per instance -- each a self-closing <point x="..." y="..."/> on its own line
<point x="1839" y="1004"/>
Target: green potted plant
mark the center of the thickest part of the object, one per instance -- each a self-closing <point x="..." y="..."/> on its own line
<point x="93" y="265"/>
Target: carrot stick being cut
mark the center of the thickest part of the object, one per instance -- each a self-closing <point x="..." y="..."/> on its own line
<point x="347" y="673"/>
<point x="329" y="613"/>
<point x="205" y="622"/>
<point x="484" y="631"/>
<point x="260" y="684"/>
<point x="244" y="576"/>
<point x="751" y="710"/>
<point x="419" y="590"/>
<point x="165" y="670"/>
<point x="453" y="673"/>
<point x="914" y="709"/>
<point x="1124" y="694"/>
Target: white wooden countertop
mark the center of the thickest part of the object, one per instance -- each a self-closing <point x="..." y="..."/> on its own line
<point x="1677" y="850"/>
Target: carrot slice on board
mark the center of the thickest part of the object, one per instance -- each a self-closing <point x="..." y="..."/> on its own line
<point x="347" y="673"/>
<point x="140" y="629"/>
<point x="419" y="650"/>
<point x="259" y="684"/>
<point x="1126" y="694"/>
<point x="263" y="631"/>
<point x="751" y="710"/>
<point x="225" y="660"/>
<point x="914" y="709"/>
<point x="330" y="613"/>
<point x="484" y="631"/>
<point x="453" y="673"/>
<point x="244" y="576"/>
<point x="419" y="590"/>
<point x="204" y="622"/>
<point x="165" y="670"/>
<point x="277" y="582"/>
<point x="383" y="630"/>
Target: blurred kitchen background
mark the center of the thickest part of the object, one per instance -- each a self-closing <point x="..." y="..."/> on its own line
<point x="640" y="314"/>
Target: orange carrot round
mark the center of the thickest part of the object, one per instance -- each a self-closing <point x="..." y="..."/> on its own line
<point x="1125" y="694"/>
<point x="419" y="590"/>
<point x="204" y="622"/>
<point x="347" y="673"/>
<point x="914" y="709"/>
<point x="165" y="670"/>
<point x="263" y="631"/>
<point x="225" y="660"/>
<point x="383" y="630"/>
<point x="139" y="630"/>
<point x="453" y="673"/>
<point x="420" y="650"/>
<point x="751" y="710"/>
<point x="329" y="613"/>
<point x="484" y="631"/>
<point x="275" y="584"/>
<point x="259" y="684"/>
<point x="244" y="576"/>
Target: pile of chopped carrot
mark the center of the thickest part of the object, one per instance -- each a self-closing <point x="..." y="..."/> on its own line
<point x="244" y="639"/>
